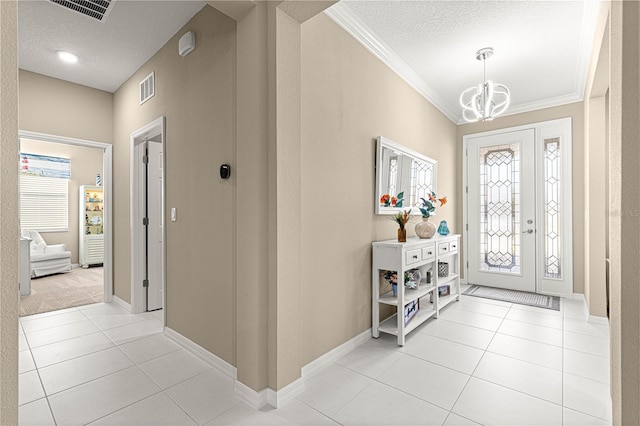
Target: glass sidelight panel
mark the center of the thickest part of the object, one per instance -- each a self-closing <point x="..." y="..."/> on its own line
<point x="500" y="249"/>
<point x="552" y="200"/>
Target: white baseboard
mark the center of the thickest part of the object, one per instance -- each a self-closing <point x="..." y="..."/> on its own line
<point x="223" y="366"/>
<point x="331" y="356"/>
<point x="124" y="305"/>
<point x="258" y="399"/>
<point x="279" y="398"/>
<point x="593" y="319"/>
<point x="249" y="396"/>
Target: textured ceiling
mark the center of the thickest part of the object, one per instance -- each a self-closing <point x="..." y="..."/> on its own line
<point x="542" y="48"/>
<point x="110" y="52"/>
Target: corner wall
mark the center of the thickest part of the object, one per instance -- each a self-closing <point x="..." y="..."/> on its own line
<point x="197" y="96"/>
<point x="349" y="97"/>
<point x="9" y="226"/>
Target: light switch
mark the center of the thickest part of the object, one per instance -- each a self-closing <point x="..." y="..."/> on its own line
<point x="174" y="214"/>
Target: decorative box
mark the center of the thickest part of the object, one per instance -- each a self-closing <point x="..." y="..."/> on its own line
<point x="410" y="309"/>
<point x="444" y="290"/>
<point x="443" y="269"/>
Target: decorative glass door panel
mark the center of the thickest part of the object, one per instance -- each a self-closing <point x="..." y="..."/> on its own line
<point x="502" y="196"/>
<point x="500" y="209"/>
<point x="552" y="205"/>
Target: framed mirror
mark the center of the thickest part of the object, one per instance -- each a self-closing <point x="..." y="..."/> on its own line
<point x="403" y="176"/>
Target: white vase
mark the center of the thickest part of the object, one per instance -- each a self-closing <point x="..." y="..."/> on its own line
<point x="425" y="229"/>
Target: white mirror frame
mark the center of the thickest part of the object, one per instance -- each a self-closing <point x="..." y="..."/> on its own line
<point x="381" y="144"/>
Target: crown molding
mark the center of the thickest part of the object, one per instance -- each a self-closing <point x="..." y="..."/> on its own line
<point x="348" y="21"/>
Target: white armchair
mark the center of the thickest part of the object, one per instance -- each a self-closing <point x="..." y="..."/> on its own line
<point x="47" y="259"/>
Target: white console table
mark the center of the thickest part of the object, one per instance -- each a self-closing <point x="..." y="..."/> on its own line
<point x="422" y="254"/>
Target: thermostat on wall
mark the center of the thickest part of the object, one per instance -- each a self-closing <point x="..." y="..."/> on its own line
<point x="187" y="43"/>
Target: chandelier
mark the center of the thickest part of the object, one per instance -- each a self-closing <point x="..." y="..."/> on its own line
<point x="486" y="100"/>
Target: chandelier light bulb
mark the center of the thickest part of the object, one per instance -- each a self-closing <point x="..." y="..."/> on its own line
<point x="487" y="100"/>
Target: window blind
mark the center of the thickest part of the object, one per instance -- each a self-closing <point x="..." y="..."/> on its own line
<point x="44" y="203"/>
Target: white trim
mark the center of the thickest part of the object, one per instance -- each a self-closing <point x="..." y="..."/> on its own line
<point x="250" y="397"/>
<point x="258" y="399"/>
<point x="279" y="398"/>
<point x="107" y="182"/>
<point x="593" y="319"/>
<point x="223" y="366"/>
<point x="124" y="305"/>
<point x="347" y="20"/>
<point x="149" y="131"/>
<point x="330" y="357"/>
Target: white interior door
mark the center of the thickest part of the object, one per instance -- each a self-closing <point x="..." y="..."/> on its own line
<point x="155" y="229"/>
<point x="502" y="210"/>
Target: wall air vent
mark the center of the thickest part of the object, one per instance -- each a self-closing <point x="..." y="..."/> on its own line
<point x="97" y="9"/>
<point x="147" y="88"/>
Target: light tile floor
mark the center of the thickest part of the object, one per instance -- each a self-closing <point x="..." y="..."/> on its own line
<point x="483" y="362"/>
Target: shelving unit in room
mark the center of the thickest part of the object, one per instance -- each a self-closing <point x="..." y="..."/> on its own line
<point x="422" y="254"/>
<point x="91" y="222"/>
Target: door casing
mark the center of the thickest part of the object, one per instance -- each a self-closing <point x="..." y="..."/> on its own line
<point x="152" y="131"/>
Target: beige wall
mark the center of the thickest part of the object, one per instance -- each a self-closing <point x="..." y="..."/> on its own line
<point x="57" y="107"/>
<point x="9" y="226"/>
<point x="196" y="94"/>
<point x="85" y="164"/>
<point x="348" y="98"/>
<point x="575" y="111"/>
<point x="624" y="228"/>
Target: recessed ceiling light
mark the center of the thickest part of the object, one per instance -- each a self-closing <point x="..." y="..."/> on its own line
<point x="67" y="56"/>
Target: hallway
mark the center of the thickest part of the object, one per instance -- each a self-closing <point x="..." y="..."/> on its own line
<point x="482" y="362"/>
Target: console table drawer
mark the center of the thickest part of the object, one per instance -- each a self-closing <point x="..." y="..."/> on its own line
<point x="429" y="253"/>
<point x="443" y="248"/>
<point x="453" y="247"/>
<point x="412" y="256"/>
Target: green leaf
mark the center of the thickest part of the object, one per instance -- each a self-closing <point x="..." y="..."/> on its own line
<point x="400" y="195"/>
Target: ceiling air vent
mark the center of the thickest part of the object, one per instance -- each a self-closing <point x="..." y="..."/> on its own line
<point x="97" y="9"/>
<point x="147" y="88"/>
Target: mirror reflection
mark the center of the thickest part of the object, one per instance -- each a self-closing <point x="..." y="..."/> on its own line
<point x="403" y="176"/>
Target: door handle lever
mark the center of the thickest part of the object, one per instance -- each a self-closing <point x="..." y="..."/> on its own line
<point x="528" y="231"/>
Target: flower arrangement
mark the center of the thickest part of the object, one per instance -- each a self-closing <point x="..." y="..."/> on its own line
<point x="401" y="218"/>
<point x="388" y="201"/>
<point x="411" y="278"/>
<point x="429" y="206"/>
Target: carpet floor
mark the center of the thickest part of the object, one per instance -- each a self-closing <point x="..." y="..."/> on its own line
<point x="54" y="292"/>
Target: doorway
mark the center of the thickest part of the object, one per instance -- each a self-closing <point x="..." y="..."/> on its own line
<point x="518" y="208"/>
<point x="52" y="290"/>
<point x="147" y="218"/>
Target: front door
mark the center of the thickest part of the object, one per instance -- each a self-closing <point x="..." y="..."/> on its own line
<point x="518" y="208"/>
<point x="501" y="210"/>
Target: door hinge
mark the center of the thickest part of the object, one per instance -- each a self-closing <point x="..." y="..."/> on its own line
<point x="145" y="221"/>
<point x="145" y="159"/>
<point x="467" y="225"/>
<point x="145" y="283"/>
<point x="467" y="264"/>
<point x="466" y="189"/>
